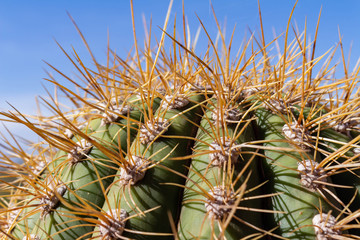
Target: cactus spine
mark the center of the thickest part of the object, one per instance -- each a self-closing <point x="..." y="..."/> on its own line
<point x="171" y="145"/>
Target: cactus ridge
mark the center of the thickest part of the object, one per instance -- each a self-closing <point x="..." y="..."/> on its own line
<point x="172" y="144"/>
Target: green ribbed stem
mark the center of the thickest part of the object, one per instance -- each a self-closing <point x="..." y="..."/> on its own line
<point x="298" y="204"/>
<point x="343" y="178"/>
<point x="82" y="179"/>
<point x="331" y="141"/>
<point x="153" y="190"/>
<point x="195" y="222"/>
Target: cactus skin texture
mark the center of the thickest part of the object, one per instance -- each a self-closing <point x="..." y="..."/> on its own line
<point x="171" y="145"/>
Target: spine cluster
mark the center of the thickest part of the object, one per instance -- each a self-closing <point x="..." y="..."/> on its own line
<point x="171" y="145"/>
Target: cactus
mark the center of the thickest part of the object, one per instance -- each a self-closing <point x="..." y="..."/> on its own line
<point x="171" y="145"/>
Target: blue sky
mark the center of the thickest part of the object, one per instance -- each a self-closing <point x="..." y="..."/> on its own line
<point x="28" y="30"/>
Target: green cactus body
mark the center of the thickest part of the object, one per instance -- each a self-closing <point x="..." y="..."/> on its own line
<point x="340" y="177"/>
<point x="149" y="201"/>
<point x="208" y="174"/>
<point x="82" y="179"/>
<point x="336" y="153"/>
<point x="296" y="205"/>
<point x="164" y="169"/>
<point x="31" y="214"/>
